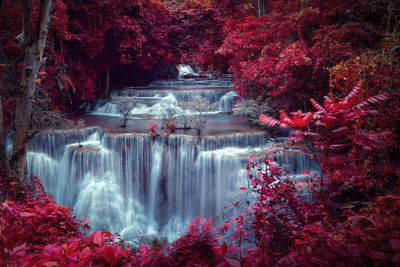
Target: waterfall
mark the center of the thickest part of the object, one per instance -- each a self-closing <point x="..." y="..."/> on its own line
<point x="227" y="101"/>
<point x="180" y="95"/>
<point x="144" y="186"/>
<point x="137" y="184"/>
<point x="155" y="102"/>
<point x="187" y="70"/>
<point x="191" y="83"/>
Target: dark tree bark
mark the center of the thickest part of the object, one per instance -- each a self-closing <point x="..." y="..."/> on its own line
<point x="262" y="6"/>
<point x="33" y="46"/>
<point x="107" y="85"/>
<point x="4" y="162"/>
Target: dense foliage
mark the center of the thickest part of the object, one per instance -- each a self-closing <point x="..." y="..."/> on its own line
<point x="88" y="38"/>
<point x="295" y="55"/>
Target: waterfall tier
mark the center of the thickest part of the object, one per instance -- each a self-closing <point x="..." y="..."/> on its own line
<point x="139" y="185"/>
<point x="190" y="83"/>
<point x="156" y="102"/>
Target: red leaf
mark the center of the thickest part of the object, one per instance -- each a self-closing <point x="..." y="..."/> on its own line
<point x="97" y="238"/>
<point x="26" y="214"/>
<point x="349" y="99"/>
<point x="373" y="99"/>
<point x="238" y="227"/>
<point x="20" y="250"/>
<point x="108" y="252"/>
<point x="107" y="233"/>
<point x="85" y="220"/>
<point x="268" y="160"/>
<point x="85" y="254"/>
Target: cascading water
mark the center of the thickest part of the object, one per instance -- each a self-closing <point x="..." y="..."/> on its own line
<point x="227" y="101"/>
<point x="154" y="102"/>
<point x="144" y="186"/>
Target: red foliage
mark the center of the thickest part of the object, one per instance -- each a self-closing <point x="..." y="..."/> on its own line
<point x="153" y="127"/>
<point x="196" y="247"/>
<point x="352" y="219"/>
<point x="37" y="231"/>
<point x="198" y="31"/>
<point x="286" y="55"/>
<point x="348" y="144"/>
<point x="170" y="125"/>
<point x="87" y="39"/>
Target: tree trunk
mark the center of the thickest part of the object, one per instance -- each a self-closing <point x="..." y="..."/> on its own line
<point x="4" y="162"/>
<point x="52" y="43"/>
<point x="107" y="89"/>
<point x="34" y="45"/>
<point x="267" y="6"/>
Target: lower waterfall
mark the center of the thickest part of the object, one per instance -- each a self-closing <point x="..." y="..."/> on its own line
<point x="140" y="185"/>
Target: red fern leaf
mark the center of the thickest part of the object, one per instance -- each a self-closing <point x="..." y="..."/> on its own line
<point x="308" y="116"/>
<point x="373" y="99"/>
<point x="328" y="101"/>
<point x="271" y="121"/>
<point x="317" y="106"/>
<point x="285" y="118"/>
<point x="352" y="96"/>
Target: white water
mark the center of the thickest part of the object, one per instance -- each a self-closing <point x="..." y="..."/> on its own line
<point x="185" y="70"/>
<point x="123" y="181"/>
<point x="138" y="185"/>
<point x="157" y="102"/>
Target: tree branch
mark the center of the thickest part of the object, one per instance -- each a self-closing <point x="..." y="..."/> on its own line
<point x="4" y="162"/>
<point x="26" y="25"/>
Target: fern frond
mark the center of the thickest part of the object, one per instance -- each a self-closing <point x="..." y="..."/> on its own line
<point x="285" y="118"/>
<point x="271" y="121"/>
<point x="340" y="129"/>
<point x="329" y="100"/>
<point x="352" y="96"/>
<point x="308" y="116"/>
<point x="317" y="106"/>
<point x="373" y="99"/>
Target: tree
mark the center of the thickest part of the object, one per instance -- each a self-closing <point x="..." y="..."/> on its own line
<point x="201" y="106"/>
<point x="33" y="44"/>
<point x="252" y="108"/>
<point x="125" y="107"/>
<point x="153" y="127"/>
<point x="4" y="163"/>
<point x="104" y="35"/>
<point x="198" y="32"/>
